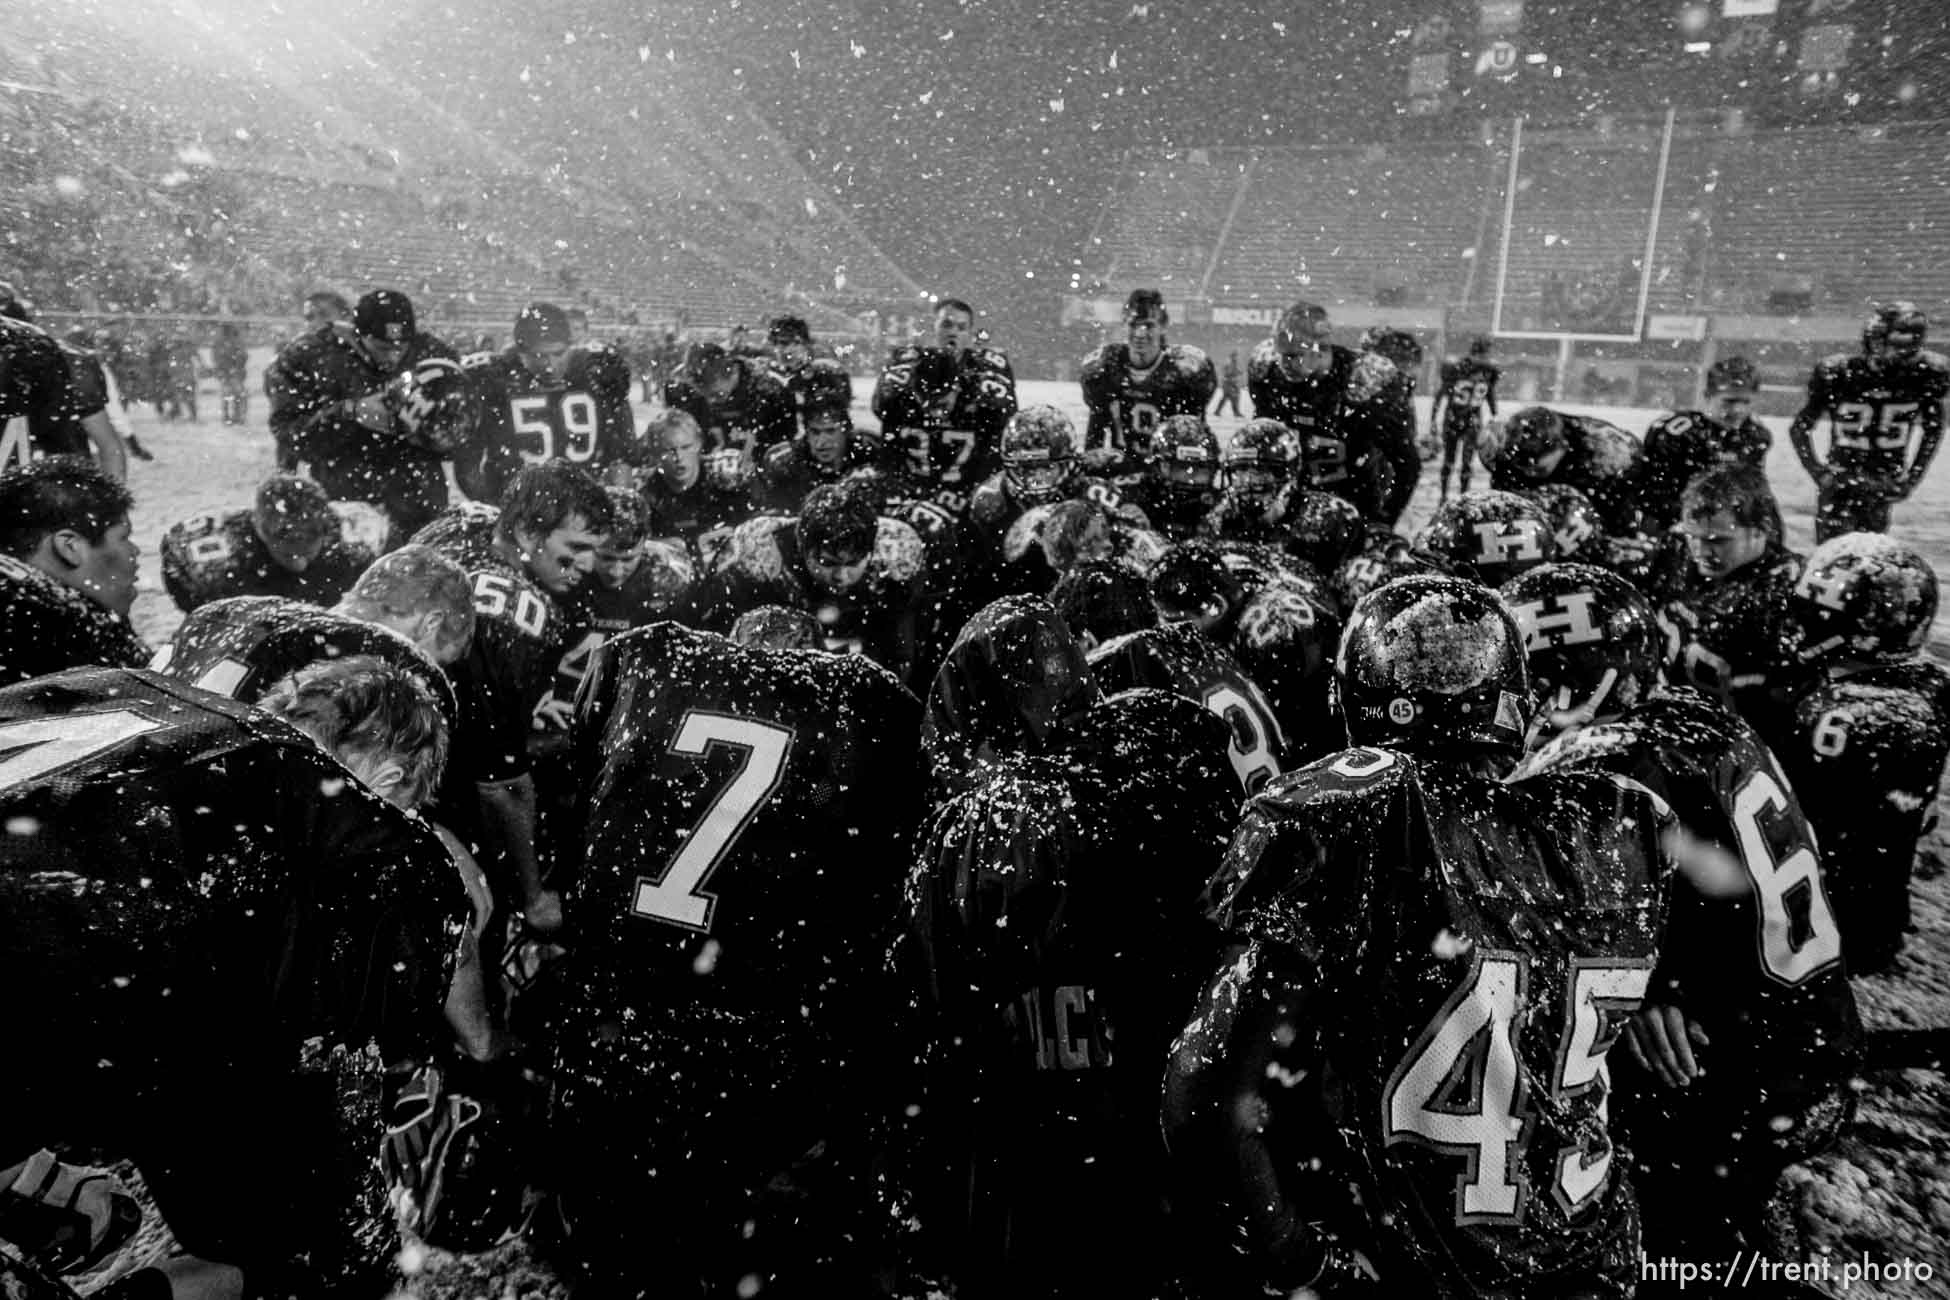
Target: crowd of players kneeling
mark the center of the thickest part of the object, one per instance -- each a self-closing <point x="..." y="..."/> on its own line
<point x="758" y="855"/>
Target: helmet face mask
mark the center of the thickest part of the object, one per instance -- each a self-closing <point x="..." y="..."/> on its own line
<point x="1261" y="462"/>
<point x="1039" y="454"/>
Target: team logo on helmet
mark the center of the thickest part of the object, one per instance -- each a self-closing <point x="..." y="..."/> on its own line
<point x="1864" y="596"/>
<point x="435" y="405"/>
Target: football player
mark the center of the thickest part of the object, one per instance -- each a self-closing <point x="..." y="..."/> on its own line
<point x="1425" y="971"/>
<point x="635" y="581"/>
<point x="67" y="570"/>
<point x="1726" y="601"/>
<point x="547" y="397"/>
<point x="695" y="498"/>
<point x="1130" y="387"/>
<point x="726" y="1031"/>
<point x="1878" y="405"/>
<point x="1054" y="904"/>
<point x="791" y="343"/>
<point x="1466" y="389"/>
<point x="289" y="543"/>
<point x="1685" y="444"/>
<point x="828" y="446"/>
<point x="1490" y="536"/>
<point x="1540" y="446"/>
<point x="1183" y="477"/>
<point x="739" y="404"/>
<point x="862" y="575"/>
<point x="522" y="560"/>
<point x="1869" y="736"/>
<point x="944" y="406"/>
<point x="1354" y="423"/>
<point x="412" y="607"/>
<point x="42" y="406"/>
<point x="1749" y="1037"/>
<point x="1382" y="555"/>
<point x="212" y="901"/>
<point x="1040" y="467"/>
<point x="1275" y="625"/>
<point x="42" y="416"/>
<point x="341" y="404"/>
<point x="1262" y="467"/>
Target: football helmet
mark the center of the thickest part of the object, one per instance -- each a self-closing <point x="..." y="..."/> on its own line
<point x="1185" y="463"/>
<point x="1039" y="454"/>
<point x="1592" y="638"/>
<point x="1530" y="437"/>
<point x="1732" y="375"/>
<point x="1303" y="325"/>
<point x="1863" y="596"/>
<point x="1574" y="520"/>
<point x="1898" y="327"/>
<point x="434" y="405"/>
<point x="1383" y="556"/>
<point x="1492" y="535"/>
<point x="1192" y="582"/>
<point x="776" y="627"/>
<point x="1101" y="599"/>
<point x="1260" y="462"/>
<point x="1324" y="530"/>
<point x="1432" y="662"/>
<point x="1399" y="346"/>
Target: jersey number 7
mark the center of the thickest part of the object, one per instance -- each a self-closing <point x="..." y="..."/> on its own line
<point x="676" y="895"/>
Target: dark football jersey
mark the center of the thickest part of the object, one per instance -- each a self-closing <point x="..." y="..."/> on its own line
<point x="1866" y="756"/>
<point x="1183" y="660"/>
<point x="1354" y="422"/>
<point x="725" y="1005"/>
<point x="46" y="626"/>
<point x="309" y="383"/>
<point x="1127" y="405"/>
<point x="1730" y="637"/>
<point x="526" y="419"/>
<point x="702" y="515"/>
<point x="1467" y="389"/>
<point x="519" y="633"/>
<point x="1876" y="408"/>
<point x="41" y="405"/>
<point x="952" y="438"/>
<point x="243" y="646"/>
<point x="1686" y="443"/>
<point x="1283" y="635"/>
<point x="756" y="415"/>
<point x="1055" y="905"/>
<point x="1466" y="951"/>
<point x="1602" y="462"/>
<point x="790" y="470"/>
<point x="596" y="612"/>
<point x="207" y="906"/>
<point x="760" y="564"/>
<point x="210" y="557"/>
<point x="1763" y="974"/>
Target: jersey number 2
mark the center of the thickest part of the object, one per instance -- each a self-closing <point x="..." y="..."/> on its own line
<point x="676" y="895"/>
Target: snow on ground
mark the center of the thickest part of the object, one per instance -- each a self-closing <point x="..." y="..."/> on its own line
<point x="1885" y="1191"/>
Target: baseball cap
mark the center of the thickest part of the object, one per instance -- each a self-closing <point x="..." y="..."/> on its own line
<point x="384" y="314"/>
<point x="539" y="323"/>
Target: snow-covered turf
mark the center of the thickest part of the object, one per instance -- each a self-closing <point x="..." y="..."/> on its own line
<point x="1885" y="1192"/>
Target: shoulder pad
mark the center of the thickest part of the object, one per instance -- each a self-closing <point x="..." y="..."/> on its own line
<point x="988" y="502"/>
<point x="1025" y="532"/>
<point x="1264" y="360"/>
<point x="904" y="355"/>
<point x="1097" y="365"/>
<point x="990" y="359"/>
<point x="898" y="551"/>
<point x="1933" y="360"/>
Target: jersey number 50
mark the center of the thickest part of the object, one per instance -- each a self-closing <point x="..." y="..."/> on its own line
<point x="676" y="895"/>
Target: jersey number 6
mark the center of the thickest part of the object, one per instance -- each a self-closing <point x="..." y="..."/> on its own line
<point x="676" y="895"/>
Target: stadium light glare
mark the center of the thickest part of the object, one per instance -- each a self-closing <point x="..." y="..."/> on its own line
<point x="1699" y="47"/>
<point x="1536" y="58"/>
